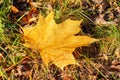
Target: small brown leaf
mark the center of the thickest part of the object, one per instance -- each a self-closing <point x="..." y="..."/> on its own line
<point x="14" y="9"/>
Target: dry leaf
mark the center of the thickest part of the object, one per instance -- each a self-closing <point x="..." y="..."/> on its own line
<point x="52" y="1"/>
<point x="14" y="9"/>
<point x="55" y="42"/>
<point x="35" y="4"/>
<point x="30" y="17"/>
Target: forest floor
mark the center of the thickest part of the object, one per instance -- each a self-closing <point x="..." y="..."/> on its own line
<point x="99" y="61"/>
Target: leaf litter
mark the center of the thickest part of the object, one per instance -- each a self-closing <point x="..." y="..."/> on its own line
<point x="92" y="63"/>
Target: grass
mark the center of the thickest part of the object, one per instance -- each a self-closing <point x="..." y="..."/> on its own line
<point x="15" y="56"/>
<point x="110" y="36"/>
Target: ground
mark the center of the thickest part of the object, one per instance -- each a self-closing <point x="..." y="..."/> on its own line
<point x="99" y="61"/>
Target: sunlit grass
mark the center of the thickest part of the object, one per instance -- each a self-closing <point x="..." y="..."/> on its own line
<point x="110" y="38"/>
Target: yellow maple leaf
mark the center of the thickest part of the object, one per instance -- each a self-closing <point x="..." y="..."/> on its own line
<point x="55" y="42"/>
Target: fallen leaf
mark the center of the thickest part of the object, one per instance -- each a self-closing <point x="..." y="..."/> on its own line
<point x="55" y="42"/>
<point x="14" y="9"/>
<point x="115" y="68"/>
<point x="35" y="4"/>
<point x="52" y="1"/>
<point x="101" y="21"/>
<point x="30" y="17"/>
<point x="117" y="52"/>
